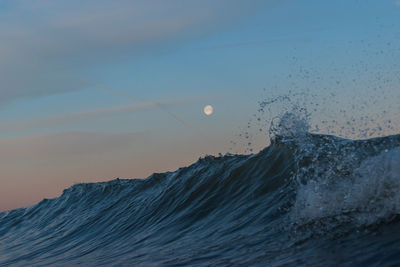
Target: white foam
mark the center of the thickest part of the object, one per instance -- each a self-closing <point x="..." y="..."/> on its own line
<point x="291" y="125"/>
<point x="369" y="195"/>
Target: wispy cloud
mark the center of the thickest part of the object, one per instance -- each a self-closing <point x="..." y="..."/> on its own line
<point x="81" y="116"/>
<point x="397" y="2"/>
<point x="44" y="41"/>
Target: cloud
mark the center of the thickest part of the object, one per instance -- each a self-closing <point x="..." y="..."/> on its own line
<point x="88" y="115"/>
<point x="45" y="41"/>
<point x="397" y="2"/>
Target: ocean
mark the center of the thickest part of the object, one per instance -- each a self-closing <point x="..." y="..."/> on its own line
<point x="306" y="199"/>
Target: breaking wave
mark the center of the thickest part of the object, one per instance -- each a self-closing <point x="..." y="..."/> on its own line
<point x="305" y="199"/>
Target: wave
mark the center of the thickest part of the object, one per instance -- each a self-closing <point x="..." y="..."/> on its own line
<point x="305" y="199"/>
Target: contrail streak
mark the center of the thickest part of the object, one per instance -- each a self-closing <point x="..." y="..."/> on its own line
<point x="134" y="98"/>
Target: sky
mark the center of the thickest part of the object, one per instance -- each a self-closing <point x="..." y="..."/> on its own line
<point x="93" y="90"/>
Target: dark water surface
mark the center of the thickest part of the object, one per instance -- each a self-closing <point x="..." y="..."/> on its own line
<point x="315" y="200"/>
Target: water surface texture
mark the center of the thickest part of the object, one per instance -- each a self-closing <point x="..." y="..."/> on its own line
<point x="305" y="199"/>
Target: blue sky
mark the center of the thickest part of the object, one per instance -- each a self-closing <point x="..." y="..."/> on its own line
<point x="89" y="89"/>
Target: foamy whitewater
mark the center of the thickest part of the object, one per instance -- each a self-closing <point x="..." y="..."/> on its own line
<point x="306" y="199"/>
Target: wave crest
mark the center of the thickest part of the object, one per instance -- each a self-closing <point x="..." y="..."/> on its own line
<point x="218" y="208"/>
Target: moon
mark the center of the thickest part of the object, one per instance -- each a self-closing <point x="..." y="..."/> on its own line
<point x="208" y="110"/>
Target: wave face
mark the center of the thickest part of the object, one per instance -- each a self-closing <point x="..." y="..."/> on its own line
<point x="312" y="199"/>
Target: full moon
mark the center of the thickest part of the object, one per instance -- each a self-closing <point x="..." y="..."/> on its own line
<point x="208" y="110"/>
